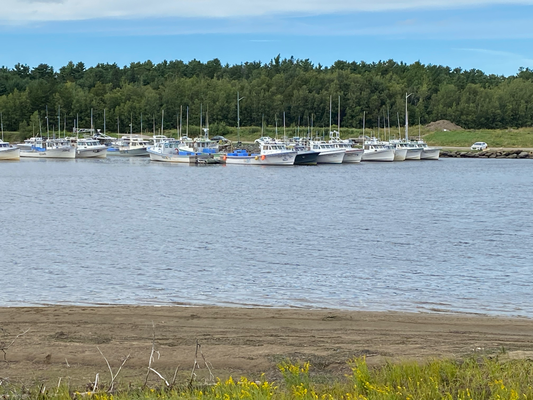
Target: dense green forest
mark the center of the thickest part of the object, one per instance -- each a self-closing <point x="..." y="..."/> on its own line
<point x="297" y="88"/>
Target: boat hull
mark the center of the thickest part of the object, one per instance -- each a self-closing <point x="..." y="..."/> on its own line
<point x="306" y="158"/>
<point x="386" y="155"/>
<point x="92" y="153"/>
<point x="413" y="154"/>
<point x="10" y="153"/>
<point x="353" y="156"/>
<point x="64" y="153"/>
<point x="333" y="157"/>
<point x="266" y="159"/>
<point x="182" y="158"/>
<point x="430" y="154"/>
<point x="139" y="152"/>
<point x="400" y="154"/>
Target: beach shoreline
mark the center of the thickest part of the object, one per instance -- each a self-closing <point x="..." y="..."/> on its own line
<point x="63" y="342"/>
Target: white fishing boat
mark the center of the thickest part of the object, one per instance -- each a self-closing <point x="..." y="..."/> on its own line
<point x="272" y="153"/>
<point x="352" y="155"/>
<point x="30" y="142"/>
<point x="400" y="153"/>
<point x="414" y="152"/>
<point x="8" y="152"/>
<point x="170" y="150"/>
<point x="50" y="148"/>
<point x="131" y="145"/>
<point x="428" y="153"/>
<point x="328" y="153"/>
<point x="375" y="150"/>
<point x="90" y="148"/>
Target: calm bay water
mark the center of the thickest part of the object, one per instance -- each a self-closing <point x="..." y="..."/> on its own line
<point x="453" y="235"/>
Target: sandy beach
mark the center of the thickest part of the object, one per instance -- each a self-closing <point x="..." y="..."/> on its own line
<point x="64" y="342"/>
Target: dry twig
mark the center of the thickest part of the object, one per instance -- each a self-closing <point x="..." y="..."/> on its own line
<point x="4" y="346"/>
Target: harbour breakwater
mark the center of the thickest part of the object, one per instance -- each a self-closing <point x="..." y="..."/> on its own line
<point x="496" y="153"/>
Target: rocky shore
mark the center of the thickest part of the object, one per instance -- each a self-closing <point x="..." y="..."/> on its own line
<point x="496" y="153"/>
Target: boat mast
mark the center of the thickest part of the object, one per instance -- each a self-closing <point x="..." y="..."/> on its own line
<point x="339" y="119"/>
<point x="2" y="126"/>
<point x="238" y="118"/>
<point x="284" y="132"/>
<point x="104" y="121"/>
<point x="406" y="117"/>
<point x="162" y="116"/>
<point x="47" y="124"/>
<point x="206" y="131"/>
<point x="330" y="115"/>
<point x="399" y="132"/>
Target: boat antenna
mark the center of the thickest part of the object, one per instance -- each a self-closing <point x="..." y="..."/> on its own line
<point x="201" y="112"/>
<point x="104" y="121"/>
<point x="181" y="113"/>
<point x="59" y="121"/>
<point x="187" y="129"/>
<point x="2" y="125"/>
<point x="141" y="123"/>
<point x="153" y="124"/>
<point x="364" y="114"/>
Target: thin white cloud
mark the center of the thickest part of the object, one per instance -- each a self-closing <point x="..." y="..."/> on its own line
<point x="72" y="10"/>
<point x="514" y="58"/>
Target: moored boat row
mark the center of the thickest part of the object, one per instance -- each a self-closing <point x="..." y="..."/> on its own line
<point x="203" y="150"/>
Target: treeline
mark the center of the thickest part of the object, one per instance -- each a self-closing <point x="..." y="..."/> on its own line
<point x="292" y="87"/>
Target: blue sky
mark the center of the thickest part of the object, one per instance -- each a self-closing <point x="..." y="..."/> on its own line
<point x="495" y="36"/>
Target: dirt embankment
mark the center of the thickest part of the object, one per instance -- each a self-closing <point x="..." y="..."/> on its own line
<point x="64" y="342"/>
<point x="443" y="125"/>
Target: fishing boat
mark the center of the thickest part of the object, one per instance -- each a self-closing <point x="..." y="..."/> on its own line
<point x="90" y="148"/>
<point x="271" y="153"/>
<point x="50" y="148"/>
<point x="328" y="153"/>
<point x="400" y="153"/>
<point x="413" y="151"/>
<point x="352" y="155"/>
<point x="428" y="153"/>
<point x="375" y="150"/>
<point x="8" y="152"/>
<point x="131" y="145"/>
<point x="170" y="150"/>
